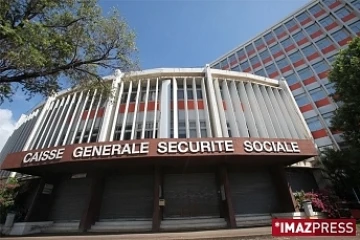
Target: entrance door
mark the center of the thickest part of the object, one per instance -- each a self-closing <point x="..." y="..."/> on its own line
<point x="191" y="195"/>
<point x="127" y="197"/>
<point x="70" y="199"/>
<point x="253" y="192"/>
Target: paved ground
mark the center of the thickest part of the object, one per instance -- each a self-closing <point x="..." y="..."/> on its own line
<point x="228" y="234"/>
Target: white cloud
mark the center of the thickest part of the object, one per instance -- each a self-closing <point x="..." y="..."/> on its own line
<point x="7" y="126"/>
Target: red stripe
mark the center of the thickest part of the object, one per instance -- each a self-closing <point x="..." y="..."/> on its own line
<point x="345" y="41"/>
<point x="84" y="115"/>
<point x="251" y="52"/>
<point x="319" y="133"/>
<point x="200" y="104"/>
<point x="293" y="28"/>
<point x="306" y="108"/>
<point x="316" y="34"/>
<point x="309" y="80"/>
<point x="256" y="65"/>
<point x="101" y="112"/>
<point x="274" y="74"/>
<point x="268" y="59"/>
<point x="305" y="21"/>
<point x="131" y="107"/>
<point x="289" y="48"/>
<point x="321" y="12"/>
<point x="323" y="74"/>
<point x="242" y="57"/>
<point x="122" y="108"/>
<point x="233" y="62"/>
<point x="271" y="41"/>
<point x="279" y="53"/>
<point x="335" y="4"/>
<point x="285" y="69"/>
<point x="260" y="47"/>
<point x="322" y="102"/>
<point x="283" y="34"/>
<point x="299" y="63"/>
<point x="141" y="107"/>
<point x="313" y="56"/>
<point x="302" y="41"/>
<point x="225" y="67"/>
<point x="331" y="26"/>
<point x="295" y="86"/>
<point x="247" y="70"/>
<point x="328" y="49"/>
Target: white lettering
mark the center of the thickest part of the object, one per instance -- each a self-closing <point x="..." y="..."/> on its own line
<point x="144" y="147"/>
<point x="248" y="146"/>
<point x="229" y="146"/>
<point x="162" y="147"/>
<point x="295" y="147"/>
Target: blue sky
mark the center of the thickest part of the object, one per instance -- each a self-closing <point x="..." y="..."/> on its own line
<point x="185" y="33"/>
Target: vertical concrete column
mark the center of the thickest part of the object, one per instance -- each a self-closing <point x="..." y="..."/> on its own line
<point x="156" y="219"/>
<point x="283" y="188"/>
<point x="213" y="106"/>
<point x="226" y="193"/>
<point x="164" y="127"/>
<point x="92" y="209"/>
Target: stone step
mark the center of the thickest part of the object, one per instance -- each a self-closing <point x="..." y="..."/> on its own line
<point x="62" y="227"/>
<point x="253" y="220"/>
<point x="122" y="226"/>
<point x="193" y="224"/>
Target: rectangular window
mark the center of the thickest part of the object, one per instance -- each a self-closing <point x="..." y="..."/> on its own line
<point x="259" y="42"/>
<point x="340" y="35"/>
<point x="282" y="63"/>
<point x="279" y="30"/>
<point x="275" y="49"/>
<point x="327" y="118"/>
<point x="317" y="94"/>
<point x="180" y="90"/>
<point x="332" y="58"/>
<point x="133" y="95"/>
<point x="303" y="16"/>
<point x="127" y="133"/>
<point x="254" y="60"/>
<point x="264" y="54"/>
<point x="249" y="48"/>
<point x="309" y="50"/>
<point x="301" y="100"/>
<point x="245" y="65"/>
<point x="261" y="72"/>
<point x="290" y="24"/>
<point x="294" y="57"/>
<point x="312" y="28"/>
<point x="342" y="12"/>
<point x="315" y="9"/>
<point x="327" y="21"/>
<point x="291" y="79"/>
<point x="355" y="27"/>
<point x="199" y="94"/>
<point x="224" y="63"/>
<point x="217" y="66"/>
<point x="287" y="42"/>
<point x="320" y="67"/>
<point x="203" y="129"/>
<point x="329" y="2"/>
<point x="192" y="129"/>
<point x="356" y="4"/>
<point x="270" y="69"/>
<point x="240" y="53"/>
<point x="182" y="130"/>
<point x="330" y="87"/>
<point x="314" y="124"/>
<point x="324" y="43"/>
<point x="236" y="68"/>
<point x="299" y="36"/>
<point x="305" y="73"/>
<point x="269" y="36"/>
<point x="232" y="58"/>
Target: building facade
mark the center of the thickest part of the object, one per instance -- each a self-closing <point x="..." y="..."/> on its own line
<point x="301" y="49"/>
<point x="170" y="149"/>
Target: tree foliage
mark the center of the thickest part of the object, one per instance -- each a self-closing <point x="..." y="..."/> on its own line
<point x="44" y="40"/>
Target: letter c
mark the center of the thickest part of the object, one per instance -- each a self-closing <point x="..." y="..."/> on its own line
<point x="27" y="158"/>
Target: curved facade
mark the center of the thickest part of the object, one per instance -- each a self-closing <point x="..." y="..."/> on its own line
<point x="168" y="149"/>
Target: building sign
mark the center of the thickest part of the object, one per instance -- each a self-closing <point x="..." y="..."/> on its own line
<point x="156" y="147"/>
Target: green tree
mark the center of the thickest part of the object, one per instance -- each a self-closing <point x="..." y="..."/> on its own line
<point x="43" y="41"/>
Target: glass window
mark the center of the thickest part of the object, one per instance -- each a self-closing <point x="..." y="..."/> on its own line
<point x="332" y="58"/>
<point x="329" y="2"/>
<point x="240" y="53"/>
<point x="270" y="69"/>
<point x="302" y="16"/>
<point x="279" y="30"/>
<point x="245" y="65"/>
<point x="327" y="21"/>
<point x="301" y="100"/>
<point x="236" y="68"/>
<point x="264" y="54"/>
<point x="342" y="12"/>
<point x="312" y="28"/>
<point x="355" y="27"/>
<point x="260" y="72"/>
<point x="314" y="124"/>
<point x="290" y="24"/>
<point x="268" y="36"/>
<point x="294" y="57"/>
<point x="309" y="50"/>
<point x="224" y="63"/>
<point x="199" y="94"/>
<point x="299" y="36"/>
<point x="340" y="35"/>
<point x="321" y="66"/>
<point x="282" y="63"/>
<point x="317" y="94"/>
<point x="327" y="118"/>
<point x="232" y="58"/>
<point x="356" y="4"/>
<point x="275" y="49"/>
<point x="259" y="42"/>
<point x="330" y="87"/>
<point x="217" y="66"/>
<point x="287" y="42"/>
<point x="249" y="48"/>
<point x="254" y="60"/>
<point x="291" y="79"/>
<point x="315" y="9"/>
<point x="305" y="73"/>
<point x="323" y="43"/>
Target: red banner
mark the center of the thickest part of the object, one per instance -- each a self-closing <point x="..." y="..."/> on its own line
<point x="313" y="227"/>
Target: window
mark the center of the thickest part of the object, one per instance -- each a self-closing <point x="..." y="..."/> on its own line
<point x="254" y="60"/>
<point x="317" y="94"/>
<point x="315" y="9"/>
<point x="302" y="16"/>
<point x="232" y="58"/>
<point x="332" y="58"/>
<point x="299" y="36"/>
<point x="301" y="100"/>
<point x="261" y="72"/>
<point x="152" y="93"/>
<point x="180" y="90"/>
<point x="329" y="2"/>
<point x="182" y="130"/>
<point x="189" y="91"/>
<point x="203" y="129"/>
<point x="309" y="50"/>
<point x="324" y="43"/>
<point x="143" y="94"/>
<point x="149" y="130"/>
<point x="327" y="118"/>
<point x="127" y="134"/>
<point x="229" y="129"/>
<point x="236" y="68"/>
<point x="305" y="73"/>
<point x="340" y="35"/>
<point x="275" y="49"/>
<point x="240" y="53"/>
<point x="199" y="94"/>
<point x="245" y="65"/>
<point x="265" y="54"/>
<point x="217" y="66"/>
<point x="192" y="129"/>
<point x="269" y="36"/>
<point x="314" y="124"/>
<point x="270" y="69"/>
<point x="287" y="42"/>
<point x="320" y="67"/>
<point x="355" y="27"/>
<point x="342" y="12"/>
<point x="282" y="63"/>
<point x="312" y="29"/>
<point x="278" y="31"/>
<point x="294" y="57"/>
<point x="327" y="21"/>
<point x="291" y="79"/>
<point x="133" y="95"/>
<point x="117" y="133"/>
<point x="259" y="42"/>
<point x="224" y="63"/>
<point x="249" y="48"/>
<point x="356" y="4"/>
<point x="330" y="87"/>
<point x="290" y="24"/>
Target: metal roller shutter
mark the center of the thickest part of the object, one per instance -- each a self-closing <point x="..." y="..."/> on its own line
<point x="253" y="192"/>
<point x="70" y="199"/>
<point x="301" y="179"/>
<point x="127" y="197"/>
<point x="191" y="195"/>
